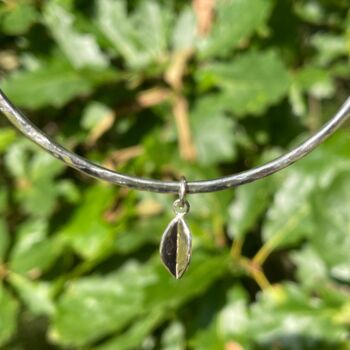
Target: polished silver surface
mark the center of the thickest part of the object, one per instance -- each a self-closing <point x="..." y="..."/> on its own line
<point x="176" y="246"/>
<point x="23" y="124"/>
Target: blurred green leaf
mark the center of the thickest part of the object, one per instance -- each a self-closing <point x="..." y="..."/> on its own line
<point x="287" y="315"/>
<point x="121" y="36"/>
<point x="139" y="38"/>
<point x="204" y="271"/>
<point x="152" y="21"/>
<point x="230" y="323"/>
<point x="208" y="339"/>
<point x="36" y="295"/>
<point x="138" y="233"/>
<point x="250" y="202"/>
<point x="213" y="132"/>
<point x="236" y="21"/>
<point x="250" y="84"/>
<point x="173" y="337"/>
<point x="81" y="49"/>
<point x="136" y="334"/>
<point x="34" y="252"/>
<point x="113" y="302"/>
<point x="3" y="199"/>
<point x="7" y="136"/>
<point x="87" y="231"/>
<point x="81" y="259"/>
<point x="68" y="190"/>
<point x="4" y="239"/>
<point x="94" y="114"/>
<point x="332" y="242"/>
<point x="52" y="84"/>
<point x="288" y="218"/>
<point x="17" y="158"/>
<point x="310" y="11"/>
<point x="312" y="270"/>
<point x="17" y="17"/>
<point x="330" y="47"/>
<point x="184" y="34"/>
<point x="117" y="299"/>
<point x="316" y="81"/>
<point x="34" y="171"/>
<point x="8" y="315"/>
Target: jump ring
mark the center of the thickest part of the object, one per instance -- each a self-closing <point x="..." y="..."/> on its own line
<point x="181" y="207"/>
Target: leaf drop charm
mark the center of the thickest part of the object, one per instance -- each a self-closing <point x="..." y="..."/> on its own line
<point x="176" y="244"/>
<point x="175" y="247"/>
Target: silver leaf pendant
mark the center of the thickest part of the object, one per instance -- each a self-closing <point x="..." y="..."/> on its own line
<point x="176" y="246"/>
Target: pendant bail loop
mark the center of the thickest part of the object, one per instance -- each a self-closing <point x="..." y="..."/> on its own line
<point x="182" y="189"/>
<point x="181" y="205"/>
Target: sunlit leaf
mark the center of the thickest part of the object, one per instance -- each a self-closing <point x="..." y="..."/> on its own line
<point x="81" y="49"/>
<point x="288" y="218"/>
<point x="36" y="295"/>
<point x="137" y="46"/>
<point x="332" y="242"/>
<point x="236" y="20"/>
<point x="213" y="132"/>
<point x="184" y="34"/>
<point x="286" y="312"/>
<point x="250" y="202"/>
<point x="117" y="299"/>
<point x="33" y="252"/>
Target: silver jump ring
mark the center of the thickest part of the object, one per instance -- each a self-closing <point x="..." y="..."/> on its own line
<point x="181" y="207"/>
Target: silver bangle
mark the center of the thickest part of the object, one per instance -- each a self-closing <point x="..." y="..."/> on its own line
<point x="87" y="167"/>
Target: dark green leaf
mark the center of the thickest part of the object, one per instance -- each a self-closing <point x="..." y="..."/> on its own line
<point x="87" y="231"/>
<point x="4" y="239"/>
<point x="135" y="335"/>
<point x="250" y="84"/>
<point x="8" y="315"/>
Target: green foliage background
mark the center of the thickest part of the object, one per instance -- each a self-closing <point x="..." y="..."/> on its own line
<point x="114" y="81"/>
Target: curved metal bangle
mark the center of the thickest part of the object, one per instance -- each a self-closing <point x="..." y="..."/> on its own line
<point x="33" y="133"/>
